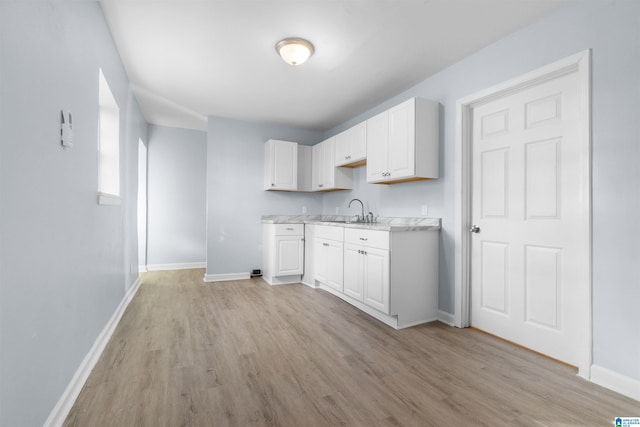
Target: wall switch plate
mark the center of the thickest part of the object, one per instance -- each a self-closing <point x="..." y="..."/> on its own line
<point x="425" y="210"/>
<point x="66" y="129"/>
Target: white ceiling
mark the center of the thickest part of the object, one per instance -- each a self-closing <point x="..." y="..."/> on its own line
<point x="188" y="59"/>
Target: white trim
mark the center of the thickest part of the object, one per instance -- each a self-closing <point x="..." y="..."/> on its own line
<point x="617" y="382"/>
<point x="384" y="318"/>
<point x="65" y="403"/>
<point x="446" y="318"/>
<point x="108" y="199"/>
<point x="176" y="266"/>
<point x="311" y="285"/>
<point x="225" y="277"/>
<point x="579" y="63"/>
<point x="142" y="269"/>
<point x="283" y="280"/>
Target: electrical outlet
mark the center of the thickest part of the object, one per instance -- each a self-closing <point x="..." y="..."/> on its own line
<point x="304" y="210"/>
<point x="425" y="210"/>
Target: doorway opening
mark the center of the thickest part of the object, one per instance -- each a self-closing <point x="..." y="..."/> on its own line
<point x="579" y="66"/>
<point x="142" y="206"/>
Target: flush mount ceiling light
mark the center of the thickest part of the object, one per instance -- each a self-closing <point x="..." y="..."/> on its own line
<point x="294" y="50"/>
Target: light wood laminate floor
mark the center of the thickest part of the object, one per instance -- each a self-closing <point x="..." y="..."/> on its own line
<point x="243" y="353"/>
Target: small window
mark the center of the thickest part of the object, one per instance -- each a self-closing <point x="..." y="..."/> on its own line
<point x="108" y="146"/>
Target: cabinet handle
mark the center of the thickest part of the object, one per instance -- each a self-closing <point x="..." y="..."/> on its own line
<point x="288" y="228"/>
<point x="364" y="238"/>
<point x="273" y="185"/>
<point x="364" y="252"/>
<point x="320" y="185"/>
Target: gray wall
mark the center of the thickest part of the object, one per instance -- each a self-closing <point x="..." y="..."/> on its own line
<point x="177" y="161"/>
<point x="64" y="260"/>
<point x="235" y="196"/>
<point x="612" y="30"/>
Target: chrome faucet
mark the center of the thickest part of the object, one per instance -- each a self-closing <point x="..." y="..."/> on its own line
<point x="360" y="218"/>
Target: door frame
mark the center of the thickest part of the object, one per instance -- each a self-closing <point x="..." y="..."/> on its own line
<point x="579" y="63"/>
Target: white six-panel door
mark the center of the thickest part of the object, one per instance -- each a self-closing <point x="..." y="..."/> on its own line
<point x="528" y="272"/>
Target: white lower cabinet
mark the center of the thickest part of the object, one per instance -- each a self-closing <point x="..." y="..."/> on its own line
<point x="353" y="272"/>
<point x="328" y="254"/>
<point x="376" y="278"/>
<point x="283" y="253"/>
<point x="367" y="267"/>
<point x="393" y="276"/>
<point x="366" y="276"/>
<point x="289" y="252"/>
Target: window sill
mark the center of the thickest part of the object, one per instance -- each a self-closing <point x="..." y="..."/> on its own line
<point x="108" y="199"/>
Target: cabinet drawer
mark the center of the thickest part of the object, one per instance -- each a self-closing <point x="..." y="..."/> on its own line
<point x="372" y="238"/>
<point x="289" y="229"/>
<point x="330" y="232"/>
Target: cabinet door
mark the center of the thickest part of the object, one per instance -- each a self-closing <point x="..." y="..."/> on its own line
<point x="351" y="145"/>
<point x="328" y="163"/>
<point x="377" y="142"/>
<point x="402" y="141"/>
<point x="358" y="142"/>
<point x="353" y="271"/>
<point x="283" y="165"/>
<point x="320" y="260"/>
<point x="342" y="151"/>
<point x="317" y="170"/>
<point x="335" y="260"/>
<point x="289" y="255"/>
<point x="376" y="279"/>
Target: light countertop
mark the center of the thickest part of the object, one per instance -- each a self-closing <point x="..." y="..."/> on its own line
<point x="385" y="224"/>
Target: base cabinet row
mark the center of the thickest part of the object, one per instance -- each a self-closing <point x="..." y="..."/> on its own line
<point x="393" y="276"/>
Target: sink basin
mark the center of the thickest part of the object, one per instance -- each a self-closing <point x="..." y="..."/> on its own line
<point x="339" y="221"/>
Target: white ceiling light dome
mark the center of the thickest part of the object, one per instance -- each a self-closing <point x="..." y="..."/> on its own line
<point x="294" y="50"/>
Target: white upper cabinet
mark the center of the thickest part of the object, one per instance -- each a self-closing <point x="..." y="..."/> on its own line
<point x="351" y="146"/>
<point x="287" y="166"/>
<point x="280" y="165"/>
<point x="325" y="175"/>
<point x="402" y="143"/>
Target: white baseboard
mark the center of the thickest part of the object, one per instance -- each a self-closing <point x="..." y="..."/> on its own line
<point x="446" y="318"/>
<point x="617" y="382"/>
<point x="311" y="285"/>
<point x="283" y="280"/>
<point x="177" y="266"/>
<point x="70" y="394"/>
<point x="142" y="269"/>
<point x="225" y="277"/>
